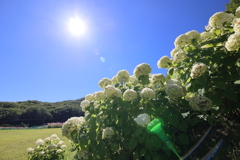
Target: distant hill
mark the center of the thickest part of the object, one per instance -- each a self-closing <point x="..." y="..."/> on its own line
<point x="33" y="112"/>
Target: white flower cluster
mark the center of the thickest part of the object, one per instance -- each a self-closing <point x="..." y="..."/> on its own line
<point x="123" y="76"/>
<point x="198" y="69"/>
<point x="174" y="81"/>
<point x="82" y="154"/>
<point x="158" y="79"/>
<point x="233" y="42"/>
<point x="133" y="80"/>
<point x="142" y="69"/>
<point x="147" y="93"/>
<point x="174" y="89"/>
<point x="236" y="25"/>
<point x="182" y="40"/>
<point x="206" y="36"/>
<point x="174" y="51"/>
<point x="111" y="91"/>
<point x="237" y="13"/>
<point x="142" y="119"/>
<point x="72" y="124"/>
<point x="130" y="95"/>
<point x="180" y="56"/>
<point x="163" y="62"/>
<point x="107" y="133"/>
<point x="84" y="104"/>
<point x="198" y="102"/>
<point x="193" y="35"/>
<point x="104" y="82"/>
<point x="220" y="18"/>
<point x="98" y="96"/>
<point x="89" y="97"/>
<point x="114" y="80"/>
<point x="52" y="143"/>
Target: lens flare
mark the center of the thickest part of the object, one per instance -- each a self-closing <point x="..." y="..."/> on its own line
<point x="102" y="59"/>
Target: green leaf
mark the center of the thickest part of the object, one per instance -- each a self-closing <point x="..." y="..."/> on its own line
<point x="135" y="156"/>
<point x="221" y="85"/>
<point x="202" y="80"/>
<point x="216" y="58"/>
<point x="170" y="71"/>
<point x="114" y="147"/>
<point x="144" y="79"/>
<point x="183" y="138"/>
<point x="174" y="120"/>
<point x="216" y="99"/>
<point x="127" y="129"/>
<point x="183" y="126"/>
<point x="147" y="157"/>
<point x="231" y="94"/>
<point x="132" y="144"/>
<point x="143" y="152"/>
<point x="138" y="132"/>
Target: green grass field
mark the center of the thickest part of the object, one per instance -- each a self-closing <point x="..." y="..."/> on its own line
<point x="14" y="143"/>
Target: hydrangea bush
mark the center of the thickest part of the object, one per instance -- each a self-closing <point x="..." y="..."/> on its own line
<point x="202" y="80"/>
<point x="48" y="149"/>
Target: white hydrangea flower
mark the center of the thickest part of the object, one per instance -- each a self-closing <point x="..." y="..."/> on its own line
<point x="47" y="140"/>
<point x="123" y="76"/>
<point x="39" y="142"/>
<point x="133" y="80"/>
<point x="174" y="81"/>
<point x="104" y="82"/>
<point x="147" y="93"/>
<point x="198" y="102"/>
<point x="63" y="147"/>
<point x="82" y="154"/>
<point x="114" y="80"/>
<point x="180" y="56"/>
<point x="30" y="150"/>
<point x="198" y="69"/>
<point x="60" y="143"/>
<point x="206" y="35"/>
<point x="41" y="153"/>
<point x="107" y="133"/>
<point x="193" y="35"/>
<point x="174" y="91"/>
<point x="236" y="25"/>
<point x="237" y="13"/>
<point x="174" y="51"/>
<point x="53" y="146"/>
<point x="98" y="96"/>
<point x="142" y="69"/>
<point x="84" y="104"/>
<point x="89" y="97"/>
<point x="96" y="104"/>
<point x="110" y="92"/>
<point x="163" y="62"/>
<point x="59" y="151"/>
<point x="219" y="18"/>
<point x="129" y="95"/>
<point x="72" y="124"/>
<point x="158" y="79"/>
<point x="182" y="40"/>
<point x="233" y="42"/>
<point x="142" y="119"/>
<point x="54" y="137"/>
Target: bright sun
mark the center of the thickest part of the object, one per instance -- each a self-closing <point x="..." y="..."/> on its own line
<point x="76" y="26"/>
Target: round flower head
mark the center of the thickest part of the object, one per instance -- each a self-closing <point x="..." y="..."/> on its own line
<point x="237" y="13"/>
<point x="174" y="91"/>
<point x="233" y="42"/>
<point x="158" y="79"/>
<point x="54" y="137"/>
<point x="104" y="82"/>
<point x="59" y="151"/>
<point x="133" y="80"/>
<point x="198" y="102"/>
<point x="30" y="150"/>
<point x="71" y="124"/>
<point x="174" y="51"/>
<point x="41" y="153"/>
<point x="236" y="25"/>
<point x="193" y="35"/>
<point x="129" y="95"/>
<point x="219" y="18"/>
<point x="114" y="80"/>
<point x="163" y="62"/>
<point x="60" y="143"/>
<point x="174" y="81"/>
<point x="39" y="142"/>
<point x="63" y="147"/>
<point x="142" y="119"/>
<point x="89" y="97"/>
<point x="107" y="133"/>
<point x="98" y="96"/>
<point x="182" y="40"/>
<point x="179" y="56"/>
<point x="123" y="76"/>
<point x="84" y="104"/>
<point x="206" y="35"/>
<point x="142" y="69"/>
<point x="110" y="92"/>
<point x="147" y="93"/>
<point x="198" y="69"/>
<point x="46" y="140"/>
<point x="82" y="154"/>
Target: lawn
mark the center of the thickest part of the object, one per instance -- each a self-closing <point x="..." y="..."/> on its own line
<point x="14" y="143"/>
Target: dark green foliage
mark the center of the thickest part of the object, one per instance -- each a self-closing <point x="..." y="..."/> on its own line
<point x="232" y="6"/>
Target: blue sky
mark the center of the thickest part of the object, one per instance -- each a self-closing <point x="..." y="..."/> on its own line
<point x="41" y="60"/>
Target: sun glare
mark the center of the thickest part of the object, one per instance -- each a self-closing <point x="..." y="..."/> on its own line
<point x="76" y="26"/>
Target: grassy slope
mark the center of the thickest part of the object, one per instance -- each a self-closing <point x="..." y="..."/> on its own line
<point x="14" y="143"/>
